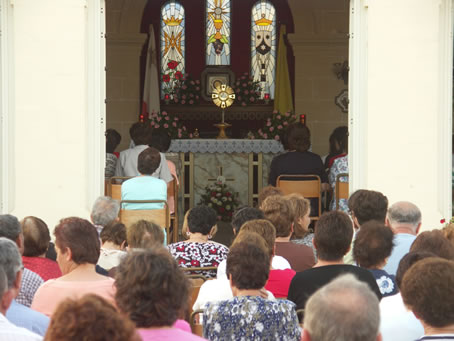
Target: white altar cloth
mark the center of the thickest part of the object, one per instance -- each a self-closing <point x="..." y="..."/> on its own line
<point x="226" y="146"/>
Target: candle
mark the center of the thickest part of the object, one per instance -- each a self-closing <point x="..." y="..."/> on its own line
<point x="303" y="119"/>
<point x="267" y="96"/>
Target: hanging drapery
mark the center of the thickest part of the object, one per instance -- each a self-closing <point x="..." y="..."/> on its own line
<point x="283" y="101"/>
<point x="151" y="87"/>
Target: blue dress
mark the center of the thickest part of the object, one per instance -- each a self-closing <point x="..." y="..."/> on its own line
<point x="251" y="318"/>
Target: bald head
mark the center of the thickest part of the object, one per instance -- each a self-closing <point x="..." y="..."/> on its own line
<point x="404" y="216"/>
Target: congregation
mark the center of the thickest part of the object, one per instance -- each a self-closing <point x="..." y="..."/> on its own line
<point x="362" y="272"/>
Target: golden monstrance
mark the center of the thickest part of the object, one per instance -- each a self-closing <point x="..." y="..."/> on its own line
<point x="223" y="97"/>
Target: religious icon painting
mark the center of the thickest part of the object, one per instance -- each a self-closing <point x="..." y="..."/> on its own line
<point x="263" y="46"/>
<point x="172" y="39"/>
<point x="218" y="32"/>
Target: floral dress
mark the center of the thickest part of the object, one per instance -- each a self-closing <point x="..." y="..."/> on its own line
<point x="251" y="318"/>
<point x="339" y="166"/>
<point x="194" y="254"/>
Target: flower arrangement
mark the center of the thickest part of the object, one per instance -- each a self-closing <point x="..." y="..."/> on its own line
<point x="170" y="123"/>
<point x="172" y="78"/>
<point x="276" y="125"/>
<point x="188" y="91"/>
<point x="219" y="197"/>
<point x="247" y="90"/>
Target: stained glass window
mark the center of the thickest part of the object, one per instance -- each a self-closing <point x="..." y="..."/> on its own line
<point x="263" y="45"/>
<point x="172" y="44"/>
<point x="218" y="32"/>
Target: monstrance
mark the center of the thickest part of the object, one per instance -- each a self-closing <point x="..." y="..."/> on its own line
<point x="223" y="97"/>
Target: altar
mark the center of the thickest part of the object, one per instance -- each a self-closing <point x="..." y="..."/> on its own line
<point x="243" y="163"/>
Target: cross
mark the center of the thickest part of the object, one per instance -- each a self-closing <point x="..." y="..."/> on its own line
<point x="220" y="174"/>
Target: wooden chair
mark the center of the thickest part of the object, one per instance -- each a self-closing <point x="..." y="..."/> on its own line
<point x="196" y="283"/>
<point x="172" y="191"/>
<point x="158" y="216"/>
<point x="341" y="189"/>
<point x="114" y="186"/>
<point x="309" y="186"/>
<point x="196" y="326"/>
<point x="191" y="271"/>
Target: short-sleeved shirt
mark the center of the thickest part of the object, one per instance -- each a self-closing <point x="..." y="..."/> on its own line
<point x="143" y="188"/>
<point x="300" y="257"/>
<point x="44" y="267"/>
<point x="166" y="334"/>
<point x="31" y="281"/>
<point x="279" y="282"/>
<point x="402" y="244"/>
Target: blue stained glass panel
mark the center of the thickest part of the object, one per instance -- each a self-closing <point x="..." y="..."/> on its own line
<point x="218" y="45"/>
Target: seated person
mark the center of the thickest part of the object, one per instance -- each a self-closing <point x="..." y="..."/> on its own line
<point x="435" y="242"/>
<point x="332" y="239"/>
<point x="127" y="162"/>
<point x="199" y="250"/>
<point x="248" y="315"/>
<point x="371" y="249"/>
<point x="144" y="234"/>
<point x="36" y="244"/>
<point x="338" y="141"/>
<point x="159" y="296"/>
<point x="278" y="211"/>
<point x="113" y="239"/>
<point x="90" y="318"/>
<point x="145" y="186"/>
<point x="113" y="139"/>
<point x="266" y="192"/>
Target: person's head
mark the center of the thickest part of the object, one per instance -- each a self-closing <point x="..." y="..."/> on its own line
<point x="10" y="228"/>
<point x="298" y="137"/>
<point x="264" y="229"/>
<point x="114" y="233"/>
<point x="448" y="232"/>
<point x="333" y="236"/>
<point x="113" y="139"/>
<point x="76" y="242"/>
<point x="36" y="236"/>
<point x="244" y="214"/>
<point x="373" y="245"/>
<point x="344" y="310"/>
<point x="201" y="219"/>
<point x="90" y="317"/>
<point x="338" y="140"/>
<point x="144" y="234"/>
<point x="367" y="205"/>
<point x="404" y="216"/>
<point x="3" y="291"/>
<point x="427" y="290"/>
<point x="434" y="242"/>
<point x="266" y="192"/>
<point x="151" y="289"/>
<point x="11" y="265"/>
<point x="301" y="208"/>
<point x="148" y="161"/>
<point x="407" y="261"/>
<point x="160" y="140"/>
<point x="248" y="262"/>
<point x="104" y="211"/>
<point x="277" y="210"/>
<point x="140" y="133"/>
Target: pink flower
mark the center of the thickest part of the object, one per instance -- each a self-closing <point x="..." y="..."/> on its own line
<point x="197" y="88"/>
<point x="276" y="137"/>
<point x="275" y="112"/>
<point x="184" y="87"/>
<point x="265" y="136"/>
<point x="164" y="113"/>
<point x="244" y="85"/>
<point x="191" y="102"/>
<point x="179" y="130"/>
<point x="237" y="91"/>
<point x="239" y="98"/>
<point x="192" y="83"/>
<point x="191" y="95"/>
<point x="246" y="92"/>
<point x="175" y="119"/>
<point x="183" y="102"/>
<point x="183" y="97"/>
<point x="184" y="128"/>
<point x="152" y="123"/>
<point x="176" y="100"/>
<point x="285" y="123"/>
<point x="279" y="127"/>
<point x="278" y="117"/>
<point x="159" y="119"/>
<point x="252" y="99"/>
<point x="179" y="135"/>
<point x="287" y="114"/>
<point x="197" y="82"/>
<point x="197" y="97"/>
<point x="166" y="125"/>
<point x="260" y="131"/>
<point x="156" y="126"/>
<point x="174" y="124"/>
<point x="243" y="104"/>
<point x="271" y="128"/>
<point x="268" y="124"/>
<point x="166" y="118"/>
<point x="190" y="135"/>
<point x="237" y="83"/>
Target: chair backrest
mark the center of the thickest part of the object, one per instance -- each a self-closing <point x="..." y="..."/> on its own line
<point x="341" y="189"/>
<point x="114" y="186"/>
<point x="172" y="192"/>
<point x="194" y="321"/>
<point x="196" y="283"/>
<point x="158" y="216"/>
<point x="309" y="186"/>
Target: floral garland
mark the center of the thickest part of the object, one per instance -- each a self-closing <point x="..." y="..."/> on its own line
<point x="247" y="90"/>
<point x="276" y="125"/>
<point x="221" y="198"/>
<point x="169" y="123"/>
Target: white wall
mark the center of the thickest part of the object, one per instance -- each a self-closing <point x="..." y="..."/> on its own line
<point x="57" y="121"/>
<point x="401" y="96"/>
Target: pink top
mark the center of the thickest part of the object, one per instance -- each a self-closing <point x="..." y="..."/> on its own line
<point x="44" y="267"/>
<point x="159" y="334"/>
<point x="52" y="292"/>
<point x="183" y="325"/>
<point x="279" y="282"/>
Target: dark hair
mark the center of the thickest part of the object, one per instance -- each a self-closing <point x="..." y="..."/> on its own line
<point x="407" y="261"/>
<point x="299" y="137"/>
<point x="267" y="192"/>
<point x="277" y="210"/>
<point x="339" y="135"/>
<point x="113" y="139"/>
<point x="160" y="140"/>
<point x="434" y="241"/>
<point x="140" y="133"/>
<point x="373" y="244"/>
<point x="9" y="227"/>
<point x="244" y="214"/>
<point x="201" y="219"/>
<point x="84" y="318"/>
<point x="81" y="237"/>
<point x="248" y="262"/>
<point x="36" y="236"/>
<point x="368" y="205"/>
<point x="151" y="288"/>
<point x="333" y="235"/>
<point x="148" y="161"/>
<point x="264" y="229"/>
<point x="114" y="232"/>
<point x="428" y="288"/>
<point x="144" y="234"/>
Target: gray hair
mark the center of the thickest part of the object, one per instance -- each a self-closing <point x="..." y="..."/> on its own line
<point x="404" y="212"/>
<point x="9" y="227"/>
<point x="3" y="283"/>
<point x="10" y="260"/>
<point x="346" y="309"/>
<point x="105" y="210"/>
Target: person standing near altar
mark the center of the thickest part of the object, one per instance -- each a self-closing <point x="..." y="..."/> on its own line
<point x="127" y="163"/>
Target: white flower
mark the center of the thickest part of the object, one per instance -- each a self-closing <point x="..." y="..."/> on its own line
<point x="213" y="199"/>
<point x="218" y="194"/>
<point x="385" y="284"/>
<point x="220" y="179"/>
<point x="224" y="199"/>
<point x="227" y="207"/>
<point x="210" y="204"/>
